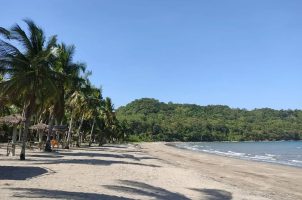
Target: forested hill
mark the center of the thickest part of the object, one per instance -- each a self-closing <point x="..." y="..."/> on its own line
<point x="150" y="120"/>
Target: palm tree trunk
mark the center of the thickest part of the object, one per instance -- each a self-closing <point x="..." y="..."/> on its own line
<point x="91" y="132"/>
<point x="24" y="138"/>
<point x="79" y="131"/>
<point x="14" y="139"/>
<point x="40" y="132"/>
<point x="20" y="130"/>
<point x="50" y="127"/>
<point x="69" y="133"/>
<point x="20" y="133"/>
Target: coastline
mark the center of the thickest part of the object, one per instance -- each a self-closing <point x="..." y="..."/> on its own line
<point x="174" y="144"/>
<point x="265" y="180"/>
<point x="143" y="171"/>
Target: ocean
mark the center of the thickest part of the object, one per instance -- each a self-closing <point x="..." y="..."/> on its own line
<point x="278" y="152"/>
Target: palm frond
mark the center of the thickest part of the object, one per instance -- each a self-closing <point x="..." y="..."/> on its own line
<point x="36" y="36"/>
<point x="7" y="49"/>
<point x="18" y="34"/>
<point x="5" y="33"/>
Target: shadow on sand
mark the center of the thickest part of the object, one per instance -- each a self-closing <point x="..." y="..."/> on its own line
<point x="45" y="156"/>
<point x="75" y="158"/>
<point x="20" y="173"/>
<point x="213" y="194"/>
<point x="106" y="155"/>
<point x="31" y="193"/>
<point x="90" y="162"/>
<point x="107" y="149"/>
<point x="143" y="189"/>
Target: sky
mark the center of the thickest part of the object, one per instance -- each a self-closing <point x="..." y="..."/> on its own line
<point x="244" y="54"/>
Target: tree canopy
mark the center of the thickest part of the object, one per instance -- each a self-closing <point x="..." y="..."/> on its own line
<point x="40" y="81"/>
<point x="150" y="120"/>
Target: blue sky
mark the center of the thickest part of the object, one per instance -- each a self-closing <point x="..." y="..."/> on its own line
<point x="245" y="54"/>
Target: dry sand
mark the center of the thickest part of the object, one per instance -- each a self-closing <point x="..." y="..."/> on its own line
<point x="144" y="171"/>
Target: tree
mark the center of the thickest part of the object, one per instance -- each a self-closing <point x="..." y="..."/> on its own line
<point x="30" y="76"/>
<point x="111" y="128"/>
<point x="68" y="81"/>
<point x="149" y="118"/>
<point x="39" y="78"/>
<point x="76" y="102"/>
<point x="94" y="106"/>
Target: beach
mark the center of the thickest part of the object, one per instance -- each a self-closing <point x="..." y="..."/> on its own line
<point x="143" y="171"/>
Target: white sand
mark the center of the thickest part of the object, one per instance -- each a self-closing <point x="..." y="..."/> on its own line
<point x="145" y="171"/>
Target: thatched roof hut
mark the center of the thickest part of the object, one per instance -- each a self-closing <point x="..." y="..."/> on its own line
<point x="40" y="126"/>
<point x="14" y="119"/>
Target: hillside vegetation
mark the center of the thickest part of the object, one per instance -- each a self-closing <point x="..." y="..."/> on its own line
<point x="150" y="120"/>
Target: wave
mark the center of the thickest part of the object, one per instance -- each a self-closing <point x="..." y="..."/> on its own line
<point x="229" y="153"/>
<point x="270" y="155"/>
<point x="260" y="156"/>
<point x="297" y="161"/>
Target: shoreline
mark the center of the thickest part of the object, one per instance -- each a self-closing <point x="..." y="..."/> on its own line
<point x="226" y="169"/>
<point x="174" y="144"/>
<point x="143" y="171"/>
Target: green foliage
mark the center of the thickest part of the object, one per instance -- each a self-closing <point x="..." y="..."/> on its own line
<point x="139" y="138"/>
<point x="189" y="122"/>
<point x="40" y="80"/>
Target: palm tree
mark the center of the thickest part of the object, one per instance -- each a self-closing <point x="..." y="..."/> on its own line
<point x="68" y="80"/>
<point x="30" y="76"/>
<point x="84" y="113"/>
<point x="80" y="105"/>
<point x="94" y="108"/>
<point x="110" y="120"/>
<point x="68" y="76"/>
<point x="75" y="103"/>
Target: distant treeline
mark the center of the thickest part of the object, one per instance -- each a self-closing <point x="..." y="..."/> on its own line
<point x="150" y="120"/>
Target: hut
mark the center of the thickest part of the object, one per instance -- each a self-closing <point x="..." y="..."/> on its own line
<point x="40" y="127"/>
<point x="12" y="120"/>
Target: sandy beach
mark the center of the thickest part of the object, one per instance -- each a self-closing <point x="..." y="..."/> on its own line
<point x="143" y="171"/>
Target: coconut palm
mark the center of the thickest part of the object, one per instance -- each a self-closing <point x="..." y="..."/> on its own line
<point x="28" y="68"/>
<point x="110" y="120"/>
<point x="94" y="108"/>
<point x="68" y="76"/>
<point x="68" y="80"/>
<point x="75" y="103"/>
<point x="86" y="110"/>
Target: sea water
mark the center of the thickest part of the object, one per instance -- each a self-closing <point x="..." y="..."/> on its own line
<point x="279" y="152"/>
